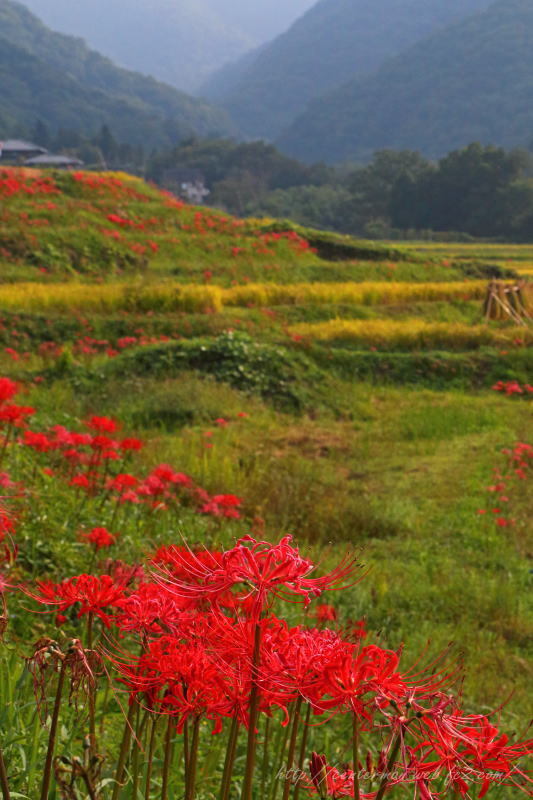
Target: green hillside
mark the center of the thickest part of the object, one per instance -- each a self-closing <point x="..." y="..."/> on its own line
<point x="469" y="82"/>
<point x="58" y="79"/>
<point x="335" y="40"/>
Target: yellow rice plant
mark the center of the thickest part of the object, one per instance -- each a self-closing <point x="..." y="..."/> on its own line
<point x="367" y="293"/>
<point x="109" y="298"/>
<point x="411" y="334"/>
<point x="167" y="297"/>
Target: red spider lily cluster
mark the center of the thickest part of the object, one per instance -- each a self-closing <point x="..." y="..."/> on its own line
<point x="118" y="231"/>
<point x="216" y="657"/>
<point x="15" y="181"/>
<point x="88" y="347"/>
<point x="99" y="537"/>
<point x="12" y="416"/>
<point x="100" y="183"/>
<point x="93" y="462"/>
<point x="519" y="468"/>
<point x="511" y="388"/>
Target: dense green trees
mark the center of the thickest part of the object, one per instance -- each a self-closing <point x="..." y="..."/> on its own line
<point x="478" y="190"/>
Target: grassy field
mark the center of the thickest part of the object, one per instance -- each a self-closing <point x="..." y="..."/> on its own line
<point x="343" y="390"/>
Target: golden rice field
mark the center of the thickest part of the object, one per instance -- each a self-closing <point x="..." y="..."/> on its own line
<point x="503" y="253"/>
<point x="165" y="297"/>
<point x="412" y="333"/>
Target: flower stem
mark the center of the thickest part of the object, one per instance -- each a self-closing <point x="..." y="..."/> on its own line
<point x="303" y="750"/>
<point x="292" y="748"/>
<point x="149" y="764"/>
<point x="4" y="445"/>
<point x="252" y="718"/>
<point x="230" y="759"/>
<point x="355" y="731"/>
<point x="91" y="692"/>
<point x="394" y="753"/>
<point x="3" y="778"/>
<point x="281" y="745"/>
<point x="47" y="773"/>
<point x="135" y="754"/>
<point x="193" y="761"/>
<point x="264" y="768"/>
<point x="168" y="758"/>
<point x="124" y="748"/>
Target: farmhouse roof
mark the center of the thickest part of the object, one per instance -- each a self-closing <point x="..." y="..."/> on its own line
<point x="50" y="160"/>
<point x="20" y="146"/>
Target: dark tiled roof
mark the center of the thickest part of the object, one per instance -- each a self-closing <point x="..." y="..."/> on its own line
<point x="20" y="146"/>
<point x="51" y="160"/>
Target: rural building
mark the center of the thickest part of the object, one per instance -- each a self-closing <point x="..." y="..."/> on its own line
<point x="15" y="151"/>
<point x="189" y="184"/>
<point x="50" y="160"/>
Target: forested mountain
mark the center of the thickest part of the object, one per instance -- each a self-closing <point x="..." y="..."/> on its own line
<point x="469" y="82"/>
<point x="177" y="41"/>
<point x="58" y="79"/>
<point x="333" y="42"/>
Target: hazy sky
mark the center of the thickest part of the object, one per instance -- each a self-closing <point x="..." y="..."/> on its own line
<point x="259" y="19"/>
<point x="263" y="19"/>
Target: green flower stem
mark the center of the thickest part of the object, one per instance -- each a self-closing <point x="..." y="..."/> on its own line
<point x="253" y="715"/>
<point x="292" y="747"/>
<point x="47" y="773"/>
<point x="230" y="759"/>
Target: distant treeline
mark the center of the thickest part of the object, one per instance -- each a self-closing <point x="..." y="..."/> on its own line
<point x="478" y="191"/>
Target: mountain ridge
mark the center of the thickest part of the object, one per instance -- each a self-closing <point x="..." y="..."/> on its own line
<point x="58" y="79"/>
<point x="332" y="42"/>
<point x="468" y="82"/>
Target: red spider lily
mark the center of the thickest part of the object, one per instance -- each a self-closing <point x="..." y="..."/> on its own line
<point x="151" y="609"/>
<point x="131" y="444"/>
<point x="99" y="537"/>
<point x="96" y="595"/>
<point x="297" y="661"/>
<point x="102" y="424"/>
<point x="39" y="442"/>
<point x="266" y="570"/>
<point x="129" y="497"/>
<point x="363" y="678"/>
<point x="222" y="505"/>
<point x="15" y="415"/>
<point x="182" y="679"/>
<point x="325" y="613"/>
<point x="466" y="748"/>
<point x="122" y="482"/>
<point x="7" y="524"/>
<point x="168" y="475"/>
<point x="8" y="389"/>
<point x="174" y="557"/>
<point x="81" y="482"/>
